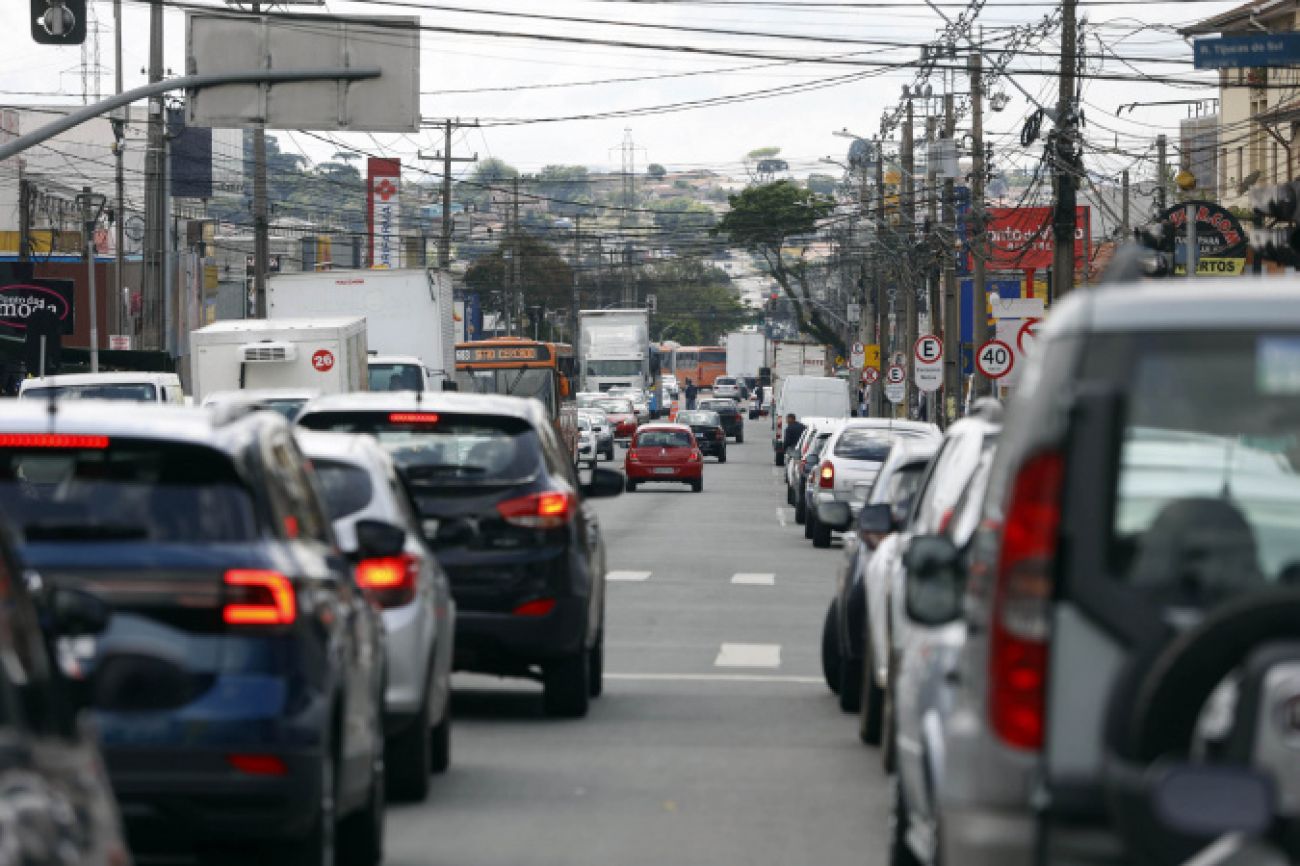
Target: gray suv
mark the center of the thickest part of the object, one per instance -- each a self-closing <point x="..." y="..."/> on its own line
<point x="1129" y="689"/>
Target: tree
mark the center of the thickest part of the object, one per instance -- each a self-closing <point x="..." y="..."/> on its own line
<point x="763" y="218"/>
<point x="491" y="177"/>
<point x="568" y="188"/>
<point x="683" y="219"/>
<point x="822" y="184"/>
<point x="656" y="170"/>
<point x="696" y="303"/>
<point x="546" y="280"/>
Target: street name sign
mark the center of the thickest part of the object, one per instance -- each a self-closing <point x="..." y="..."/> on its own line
<point x="1257" y="49"/>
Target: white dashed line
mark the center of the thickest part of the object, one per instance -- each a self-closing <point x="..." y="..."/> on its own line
<point x="752" y="579"/>
<point x="716" y="678"/>
<point x="627" y="575"/>
<point x="748" y="655"/>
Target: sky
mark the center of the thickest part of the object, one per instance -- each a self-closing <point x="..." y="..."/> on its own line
<point x="519" y="87"/>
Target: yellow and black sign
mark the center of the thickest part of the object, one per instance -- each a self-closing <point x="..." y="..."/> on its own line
<point x="1216" y="267"/>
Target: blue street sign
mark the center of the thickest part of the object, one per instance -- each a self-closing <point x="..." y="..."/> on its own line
<point x="1260" y="49"/>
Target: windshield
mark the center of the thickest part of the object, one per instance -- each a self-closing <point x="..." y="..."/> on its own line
<point x="139" y="392"/>
<point x="518" y="382"/>
<point x="719" y="405"/>
<point x="345" y="486"/>
<point x="614" y="368"/>
<point x="863" y="445"/>
<point x="124" y="490"/>
<point x="443" y="449"/>
<point x="396" y="377"/>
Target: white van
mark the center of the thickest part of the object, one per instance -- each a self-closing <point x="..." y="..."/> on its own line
<point x="813" y="400"/>
<point x="132" y="387"/>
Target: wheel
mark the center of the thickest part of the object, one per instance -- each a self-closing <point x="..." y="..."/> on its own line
<point x="851" y="684"/>
<point x="440" y="743"/>
<point x="722" y="456"/>
<point x="630" y="486"/>
<point x="697" y="485"/>
<point x="821" y="534"/>
<point x="889" y="748"/>
<point x="566" y="686"/>
<point x="596" y="667"/>
<point x="779" y="459"/>
<point x="831" y="647"/>
<point x="361" y="834"/>
<point x="789" y="494"/>
<point x="317" y="848"/>
<point x="871" y="706"/>
<point x="900" y="854"/>
<point x="740" y="437"/>
<point x="609" y="452"/>
<point x="800" y="509"/>
<point x="807" y="524"/>
<point x="408" y="753"/>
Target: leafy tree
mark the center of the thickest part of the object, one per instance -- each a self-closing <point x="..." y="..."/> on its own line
<point x="763" y="218"/>
<point x="762" y="153"/>
<point x="546" y="280"/>
<point x="822" y="184"/>
<point x="682" y="219"/>
<point x="568" y="187"/>
<point x="696" y="301"/>
<point x="656" y="170"/>
<point x="491" y="177"/>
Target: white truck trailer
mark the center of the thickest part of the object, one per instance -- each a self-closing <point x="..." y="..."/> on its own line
<point x="614" y="349"/>
<point x="746" y="353"/>
<point x="324" y="354"/>
<point x="408" y="312"/>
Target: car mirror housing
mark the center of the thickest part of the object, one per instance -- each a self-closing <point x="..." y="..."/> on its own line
<point x="836" y="515"/>
<point x="878" y="519"/>
<point x="376" y="538"/>
<point x="935" y="585"/>
<point x="604" y="483"/>
<point x="75" y="612"/>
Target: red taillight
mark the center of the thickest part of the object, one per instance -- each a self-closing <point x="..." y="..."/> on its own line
<point x="1018" y="639"/>
<point x="255" y="597"/>
<point x="536" y="607"/>
<point x="696" y="456"/>
<point x="390" y="580"/>
<point x="548" y="510"/>
<point x="51" y="440"/>
<point x="412" y="418"/>
<point x="258" y="765"/>
<point x="826" y="475"/>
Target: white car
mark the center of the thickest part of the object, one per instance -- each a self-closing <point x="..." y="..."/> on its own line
<point x="726" y="386"/>
<point x="131" y="387"/>
<point x="587" y="441"/>
<point x="640" y="403"/>
<point x="286" y="401"/>
<point x="603" y="429"/>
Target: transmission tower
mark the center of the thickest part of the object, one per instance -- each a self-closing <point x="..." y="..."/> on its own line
<point x="627" y="216"/>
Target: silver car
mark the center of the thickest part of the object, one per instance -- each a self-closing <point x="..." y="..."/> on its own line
<point x="361" y="487"/>
<point x="586" y="441"/>
<point x="603" y="429"/>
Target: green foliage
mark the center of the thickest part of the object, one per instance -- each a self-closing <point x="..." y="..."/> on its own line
<point x="683" y="219"/>
<point x="546" y="278"/>
<point x="696" y="302"/>
<point x="822" y="184"/>
<point x="762" y="153"/>
<point x="763" y="216"/>
<point x="656" y="170"/>
<point x="568" y="187"/>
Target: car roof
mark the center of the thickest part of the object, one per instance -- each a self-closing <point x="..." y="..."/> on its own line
<point x="161" y="422"/>
<point x="1172" y="305"/>
<point x="525" y="408"/>
<point x="662" y="426"/>
<point x="253" y="395"/>
<point x="101" y="378"/>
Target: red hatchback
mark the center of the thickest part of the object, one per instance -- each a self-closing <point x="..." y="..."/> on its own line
<point x="622" y="416"/>
<point x="664" y="452"/>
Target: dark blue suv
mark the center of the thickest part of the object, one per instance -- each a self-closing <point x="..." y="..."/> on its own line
<point x="238" y="688"/>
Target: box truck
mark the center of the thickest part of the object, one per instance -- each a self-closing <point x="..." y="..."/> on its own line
<point x="746" y="351"/>
<point x="614" y="349"/>
<point x="409" y="315"/>
<point x="327" y="355"/>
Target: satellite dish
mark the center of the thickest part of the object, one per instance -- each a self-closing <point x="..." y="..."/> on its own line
<point x="859" y="153"/>
<point x="1248" y="181"/>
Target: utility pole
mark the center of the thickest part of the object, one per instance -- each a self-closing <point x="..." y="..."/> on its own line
<point x="92" y="205"/>
<point x="979" y="233"/>
<point x="24" y="218"/>
<point x="577" y="268"/>
<point x="261" y="223"/>
<point x="908" y="283"/>
<point x="950" y="323"/>
<point x="1162" y="172"/>
<point x="155" y="219"/>
<point x="517" y="283"/>
<point x="1124" y="217"/>
<point x="878" y="395"/>
<point x="1066" y="159"/>
<point x="444" y="236"/>
<point x="119" y="177"/>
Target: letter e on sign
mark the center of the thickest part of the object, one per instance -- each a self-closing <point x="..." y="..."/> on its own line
<point x="322" y="360"/>
<point x="929" y="349"/>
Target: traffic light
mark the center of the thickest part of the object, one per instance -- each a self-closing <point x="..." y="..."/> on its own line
<point x="58" y="22"/>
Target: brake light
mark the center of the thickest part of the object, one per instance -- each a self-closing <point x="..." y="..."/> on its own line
<point x="412" y="418"/>
<point x="1018" y="639"/>
<point x="536" y="607"/>
<point x="390" y="580"/>
<point x="258" y="765"/>
<point x="51" y="440"/>
<point x="550" y="509"/>
<point x="696" y="456"/>
<point x="255" y="597"/>
<point x="826" y="475"/>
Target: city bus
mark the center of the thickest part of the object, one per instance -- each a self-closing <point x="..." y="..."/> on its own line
<point x="700" y="364"/>
<point x="519" y="367"/>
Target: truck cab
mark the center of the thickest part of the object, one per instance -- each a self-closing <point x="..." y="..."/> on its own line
<point x="400" y="373"/>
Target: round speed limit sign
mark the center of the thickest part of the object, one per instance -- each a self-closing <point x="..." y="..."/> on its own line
<point x="995" y="359"/>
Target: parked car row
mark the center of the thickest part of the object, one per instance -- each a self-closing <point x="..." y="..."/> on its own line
<point x="263" y="618"/>
<point x="1071" y="627"/>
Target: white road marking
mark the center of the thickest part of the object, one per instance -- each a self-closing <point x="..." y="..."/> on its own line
<point x="716" y="678"/>
<point x="753" y="579"/>
<point x="780" y="516"/>
<point x="748" y="655"/>
<point x="627" y="575"/>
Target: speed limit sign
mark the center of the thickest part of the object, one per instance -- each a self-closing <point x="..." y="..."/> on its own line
<point x="995" y="359"/>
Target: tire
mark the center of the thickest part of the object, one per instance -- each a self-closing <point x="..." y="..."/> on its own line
<point x="899" y="852"/>
<point x="596" y="667"/>
<point x="851" y="684"/>
<point x="440" y="743"/>
<point x="361" y="834"/>
<point x="565" y="686"/>
<point x="697" y="486"/>
<point x="630" y="486"/>
<point x="889" y="747"/>
<point x="609" y="452"/>
<point x="807" y="524"/>
<point x="789" y="494"/>
<point x="821" y="534"/>
<point x="800" y="510"/>
<point x="409" y="754"/>
<point x="871" y="709"/>
<point x="318" y="847"/>
<point x="722" y="457"/>
<point x="740" y="437"/>
<point x="779" y="459"/>
<point x="831" y="647"/>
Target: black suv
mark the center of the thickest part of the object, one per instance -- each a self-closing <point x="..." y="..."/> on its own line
<point x="238" y="687"/>
<point x="504" y="511"/>
<point x="733" y="422"/>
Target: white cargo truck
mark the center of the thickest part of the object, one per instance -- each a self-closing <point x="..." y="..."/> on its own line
<point x="409" y="319"/>
<point x="746" y="352"/>
<point x="614" y="349"/>
<point x="327" y="355"/>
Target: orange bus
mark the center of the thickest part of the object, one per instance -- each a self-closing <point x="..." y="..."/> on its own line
<point x="700" y="364"/>
<point x="519" y="367"/>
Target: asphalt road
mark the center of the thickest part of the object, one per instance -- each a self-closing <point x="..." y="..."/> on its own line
<point x="716" y="741"/>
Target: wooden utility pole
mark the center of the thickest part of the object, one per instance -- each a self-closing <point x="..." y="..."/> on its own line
<point x="444" y="234"/>
<point x="25" y="218"/>
<point x="1162" y="172"/>
<point x="1066" y="159"/>
<point x="577" y="268"/>
<point x="119" y="177"/>
<point x="949" y="324"/>
<point x="261" y="221"/>
<point x="1124" y="218"/>
<point x="878" y="288"/>
<point x="907" y="285"/>
<point x="979" y="230"/>
<point x="155" y="196"/>
<point x="516" y="282"/>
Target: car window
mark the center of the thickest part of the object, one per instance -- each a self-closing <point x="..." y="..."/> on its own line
<point x="699" y="418"/>
<point x="395" y="377"/>
<point x="952" y="470"/>
<point x="138" y="392"/>
<point x="346" y="487"/>
<point x="298" y="506"/>
<point x="615" y="407"/>
<point x="863" y="444"/>
<point x="817" y="445"/>
<point x="125" y="490"/>
<point x="898" y="486"/>
<point x="663" y="439"/>
<point x="1207" y="500"/>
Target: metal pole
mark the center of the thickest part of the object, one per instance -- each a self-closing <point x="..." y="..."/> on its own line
<point x="88" y="225"/>
<point x="151" y="289"/>
<point x="950" y="323"/>
<point x="1162" y="171"/>
<point x="979" y="231"/>
<point x="261" y="227"/>
<point x="444" y="240"/>
<point x="577" y="266"/>
<point x="119" y="179"/>
<point x="908" y="282"/>
<point x="516" y="293"/>
<point x="1124" y="215"/>
<point x="24" y="218"/>
<point x="1063" y="228"/>
<point x="878" y="270"/>
<point x="1193" y="250"/>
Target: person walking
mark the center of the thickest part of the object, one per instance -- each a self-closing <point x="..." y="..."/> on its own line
<point x="691" y="392"/>
<point x="793" y="432"/>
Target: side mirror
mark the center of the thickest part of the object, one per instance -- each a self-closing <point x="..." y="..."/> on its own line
<point x="837" y="515"/>
<point x="934" y="587"/>
<point x="376" y="539"/>
<point x="877" y="519"/>
<point x="603" y="484"/>
<point x="75" y="612"/>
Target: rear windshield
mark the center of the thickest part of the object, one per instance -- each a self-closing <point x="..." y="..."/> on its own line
<point x="1207" y="503"/>
<point x="441" y="449"/>
<point x="664" y="439"/>
<point x="863" y="445"/>
<point x="703" y="419"/>
<point x="723" y="380"/>
<point x="346" y="487"/>
<point x="124" y="490"/>
<point x="615" y="407"/>
<point x="138" y="392"/>
<point x="718" y="405"/>
<point x="396" y="377"/>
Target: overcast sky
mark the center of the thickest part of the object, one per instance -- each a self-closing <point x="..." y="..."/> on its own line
<point x="716" y="137"/>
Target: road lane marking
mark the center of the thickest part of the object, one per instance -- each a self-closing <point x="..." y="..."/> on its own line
<point x="627" y="575"/>
<point x="748" y="655"/>
<point x="753" y="579"/>
<point x="716" y="678"/>
<point x="780" y="516"/>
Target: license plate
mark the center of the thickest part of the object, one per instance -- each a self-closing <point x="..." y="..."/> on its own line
<point x="664" y="470"/>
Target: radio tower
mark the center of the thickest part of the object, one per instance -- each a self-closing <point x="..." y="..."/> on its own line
<point x="90" y="67"/>
<point x="626" y="219"/>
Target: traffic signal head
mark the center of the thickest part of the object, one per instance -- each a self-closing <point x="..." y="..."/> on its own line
<point x="58" y="22"/>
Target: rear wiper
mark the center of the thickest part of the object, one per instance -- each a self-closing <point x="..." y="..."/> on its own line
<point x="69" y="531"/>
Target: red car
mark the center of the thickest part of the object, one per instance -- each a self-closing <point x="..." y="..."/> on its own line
<point x="622" y="417"/>
<point x="664" y="452"/>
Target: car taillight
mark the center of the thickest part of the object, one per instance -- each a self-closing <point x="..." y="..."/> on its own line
<point x="52" y="440"/>
<point x="696" y="457"/>
<point x="547" y="510"/>
<point x="390" y="580"/>
<point x="536" y="607"/>
<point x="256" y="597"/>
<point x="826" y="475"/>
<point x="258" y="765"/>
<point x="1018" y="639"/>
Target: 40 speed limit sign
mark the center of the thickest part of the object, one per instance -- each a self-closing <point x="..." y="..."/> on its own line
<point x="995" y="359"/>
